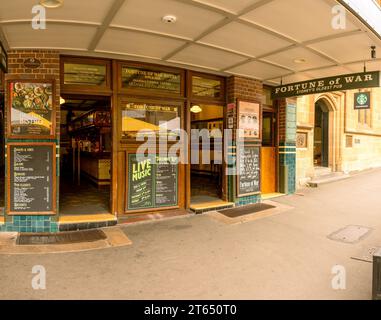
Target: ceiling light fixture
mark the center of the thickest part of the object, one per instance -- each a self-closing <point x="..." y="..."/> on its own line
<point x="169" y="19"/>
<point x="51" y="3"/>
<point x="373" y="52"/>
<point x="301" y="60"/>
<point x="196" y="109"/>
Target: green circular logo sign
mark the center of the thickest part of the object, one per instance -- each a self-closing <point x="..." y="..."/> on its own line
<point x="362" y="99"/>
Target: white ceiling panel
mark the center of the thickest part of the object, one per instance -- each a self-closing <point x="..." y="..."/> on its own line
<point x="259" y="70"/>
<point x="286" y="59"/>
<point x="328" y="72"/>
<point x="346" y="49"/>
<point x="137" y="43"/>
<point x="250" y="41"/>
<point x="359" y="67"/>
<point x="55" y="36"/>
<point x="206" y="57"/>
<point x="233" y="6"/>
<point x="300" y="20"/>
<point x="148" y="14"/>
<point x="72" y="10"/>
<point x="298" y="77"/>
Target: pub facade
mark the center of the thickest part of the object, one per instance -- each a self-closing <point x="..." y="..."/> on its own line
<point x="71" y="128"/>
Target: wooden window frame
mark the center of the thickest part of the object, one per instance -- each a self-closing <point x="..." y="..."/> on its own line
<point x="85" y="89"/>
<point x="205" y="100"/>
<point x="152" y="93"/>
<point x="125" y="99"/>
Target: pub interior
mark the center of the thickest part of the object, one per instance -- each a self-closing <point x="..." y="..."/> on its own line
<point x="206" y="176"/>
<point x="85" y="155"/>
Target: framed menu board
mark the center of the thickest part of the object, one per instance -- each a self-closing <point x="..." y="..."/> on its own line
<point x="152" y="182"/>
<point x="31" y="178"/>
<point x="31" y="109"/>
<point x="248" y="170"/>
<point x="249" y="119"/>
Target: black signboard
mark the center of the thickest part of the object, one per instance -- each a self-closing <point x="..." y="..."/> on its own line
<point x="362" y="100"/>
<point x="248" y="165"/>
<point x="3" y="59"/>
<point x="152" y="182"/>
<point x="31" y="178"/>
<point x="166" y="182"/>
<point x="337" y="83"/>
<point x="140" y="183"/>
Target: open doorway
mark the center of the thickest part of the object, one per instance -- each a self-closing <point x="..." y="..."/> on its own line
<point x="207" y="176"/>
<point x="269" y="153"/>
<point x="321" y="135"/>
<point x="85" y="155"/>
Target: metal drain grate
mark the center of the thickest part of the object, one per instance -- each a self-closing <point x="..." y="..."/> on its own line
<point x="61" y="238"/>
<point x="245" y="210"/>
<point x="350" y="234"/>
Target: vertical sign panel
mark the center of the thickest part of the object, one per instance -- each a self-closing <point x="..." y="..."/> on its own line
<point x="166" y="182"/>
<point x="31" y="178"/>
<point x="291" y="123"/>
<point x="248" y="177"/>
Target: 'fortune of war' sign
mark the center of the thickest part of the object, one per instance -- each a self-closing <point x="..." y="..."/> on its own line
<point x="338" y="83"/>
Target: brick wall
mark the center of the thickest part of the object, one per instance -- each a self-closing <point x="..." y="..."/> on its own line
<point x="248" y="90"/>
<point x="48" y="70"/>
<point x="244" y="89"/>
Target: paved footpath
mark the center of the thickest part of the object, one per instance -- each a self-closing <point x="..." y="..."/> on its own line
<point x="285" y="256"/>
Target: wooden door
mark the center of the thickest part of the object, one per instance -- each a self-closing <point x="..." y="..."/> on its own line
<point x="268" y="168"/>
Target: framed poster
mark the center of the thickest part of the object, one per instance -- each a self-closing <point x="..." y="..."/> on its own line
<point x="249" y="119"/>
<point x="31" y="109"/>
<point x="31" y="178"/>
<point x="248" y="170"/>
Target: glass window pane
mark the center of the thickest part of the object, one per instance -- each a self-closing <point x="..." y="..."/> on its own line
<point x="84" y="74"/>
<point x="150" y="118"/>
<point x="144" y="78"/>
<point x="203" y="87"/>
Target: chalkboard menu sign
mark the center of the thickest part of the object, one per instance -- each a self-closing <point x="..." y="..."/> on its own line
<point x="152" y="182"/>
<point x="31" y="178"/>
<point x="248" y="165"/>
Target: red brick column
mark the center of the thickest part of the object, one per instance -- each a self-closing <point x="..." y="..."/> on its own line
<point x="49" y="69"/>
<point x="251" y="90"/>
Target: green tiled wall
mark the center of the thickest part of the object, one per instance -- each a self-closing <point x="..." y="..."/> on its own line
<point x="243" y="201"/>
<point x="289" y="160"/>
<point x="30" y="224"/>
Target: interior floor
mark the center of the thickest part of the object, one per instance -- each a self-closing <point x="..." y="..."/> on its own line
<point x="83" y="199"/>
<point x="204" y="185"/>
